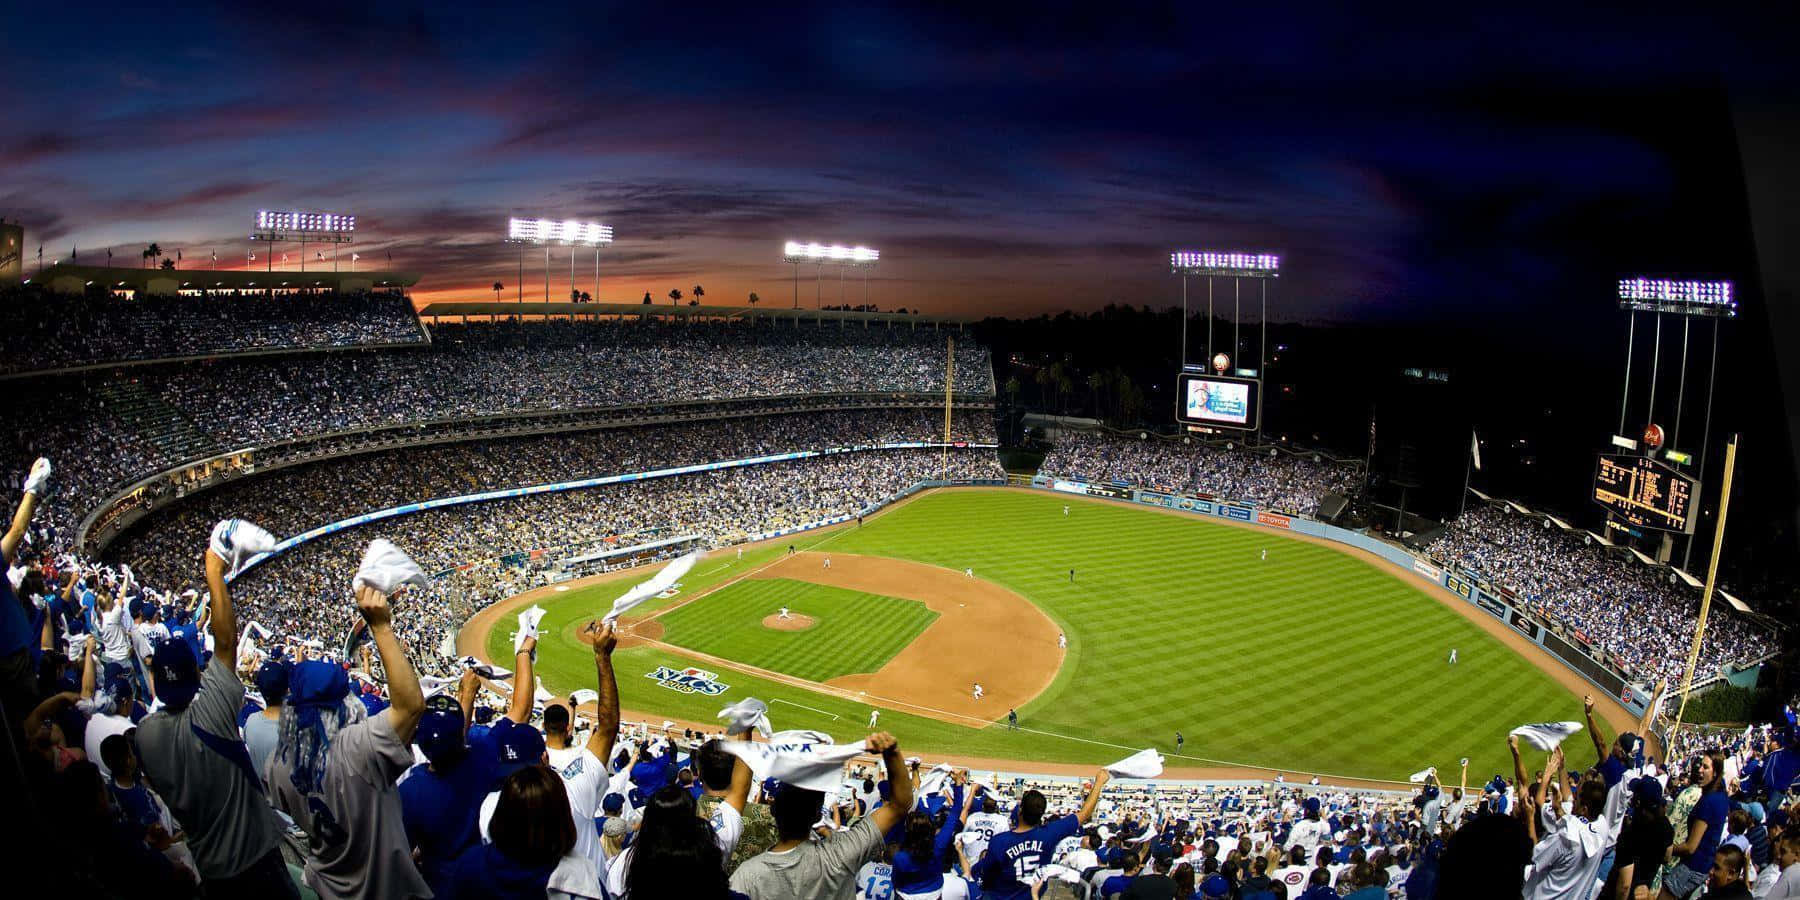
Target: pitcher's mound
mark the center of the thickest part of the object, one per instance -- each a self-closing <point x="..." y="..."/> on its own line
<point x="794" y="622"/>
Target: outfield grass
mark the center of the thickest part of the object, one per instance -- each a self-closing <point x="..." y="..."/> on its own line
<point x="1312" y="661"/>
<point x="852" y="631"/>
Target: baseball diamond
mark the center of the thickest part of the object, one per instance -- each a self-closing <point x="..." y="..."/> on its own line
<point x="1176" y="624"/>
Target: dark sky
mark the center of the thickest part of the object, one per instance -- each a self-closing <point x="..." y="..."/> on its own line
<point x="1010" y="159"/>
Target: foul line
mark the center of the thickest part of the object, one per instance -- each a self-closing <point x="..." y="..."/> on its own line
<point x="834" y="716"/>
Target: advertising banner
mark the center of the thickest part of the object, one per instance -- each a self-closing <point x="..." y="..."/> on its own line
<point x="1274" y="520"/>
<point x="1236" y="512"/>
<point x="1069" y="487"/>
<point x="1428" y="570"/>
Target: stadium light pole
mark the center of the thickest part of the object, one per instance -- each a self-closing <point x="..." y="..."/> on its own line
<point x="1687" y="298"/>
<point x="798" y="252"/>
<point x="569" y="233"/>
<point x="275" y="226"/>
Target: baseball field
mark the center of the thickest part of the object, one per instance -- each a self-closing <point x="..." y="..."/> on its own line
<point x="1314" y="660"/>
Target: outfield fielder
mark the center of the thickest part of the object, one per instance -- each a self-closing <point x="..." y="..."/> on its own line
<point x="1453" y="656"/>
<point x="874" y="716"/>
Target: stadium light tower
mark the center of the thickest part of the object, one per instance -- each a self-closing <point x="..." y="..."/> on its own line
<point x="822" y="255"/>
<point x="275" y="226"/>
<point x="568" y="233"/>
<point x="1689" y="298"/>
<point x="1237" y="265"/>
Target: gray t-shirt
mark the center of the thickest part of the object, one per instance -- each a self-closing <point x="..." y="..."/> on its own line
<point x="358" y="840"/>
<point x="261" y="733"/>
<point x="816" y="870"/>
<point x="195" y="760"/>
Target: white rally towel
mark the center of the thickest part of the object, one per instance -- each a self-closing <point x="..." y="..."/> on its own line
<point x="585" y="695"/>
<point x="447" y="647"/>
<point x="809" y="765"/>
<point x="1142" y="764"/>
<point x="658" y="583"/>
<point x="1546" y="735"/>
<point x="38" y="478"/>
<point x="932" y="782"/>
<point x="801" y="736"/>
<point x="540" y="696"/>
<point x="386" y="568"/>
<point x="745" y="715"/>
<point x="1420" y="776"/>
<point x="434" y="685"/>
<point x="235" y="541"/>
<point x="528" y="628"/>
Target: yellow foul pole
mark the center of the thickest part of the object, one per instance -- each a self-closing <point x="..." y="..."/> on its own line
<point x="1712" y="577"/>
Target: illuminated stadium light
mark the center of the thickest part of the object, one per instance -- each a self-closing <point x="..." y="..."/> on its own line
<point x="1675" y="295"/>
<point x="1216" y="262"/>
<point x="835" y="254"/>
<point x="327" y="223"/>
<point x="551" y="231"/>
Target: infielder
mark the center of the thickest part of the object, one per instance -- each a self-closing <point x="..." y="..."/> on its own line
<point x="827" y="562"/>
<point x="978" y="691"/>
<point x="1062" y="640"/>
<point x="784" y="614"/>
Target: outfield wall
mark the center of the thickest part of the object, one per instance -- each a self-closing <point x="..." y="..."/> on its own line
<point x="1633" y="697"/>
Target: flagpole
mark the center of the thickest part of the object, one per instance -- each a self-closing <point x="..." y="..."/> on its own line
<point x="1712" y="574"/>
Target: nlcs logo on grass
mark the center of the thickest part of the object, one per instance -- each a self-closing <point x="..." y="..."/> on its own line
<point x="689" y="681"/>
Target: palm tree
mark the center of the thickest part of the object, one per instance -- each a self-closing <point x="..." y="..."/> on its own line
<point x="675" y="297"/>
<point x="498" y="287"/>
<point x="587" y="297"/>
<point x="153" y="251"/>
<point x="146" y="257"/>
<point x="754" y="299"/>
<point x="646" y="298"/>
<point x="168" y="265"/>
<point x="1097" y="383"/>
<point x="698" y="293"/>
<point x="694" y="302"/>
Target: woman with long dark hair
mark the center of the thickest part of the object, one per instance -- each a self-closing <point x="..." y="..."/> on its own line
<point x="919" y="863"/>
<point x="673" y="855"/>
<point x="1705" y="828"/>
<point x="533" y="850"/>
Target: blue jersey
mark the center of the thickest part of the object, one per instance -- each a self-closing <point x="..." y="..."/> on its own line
<point x="1013" y="857"/>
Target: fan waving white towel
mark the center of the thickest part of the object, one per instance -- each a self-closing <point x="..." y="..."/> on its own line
<point x="801" y="736"/>
<point x="658" y="583"/>
<point x="1546" y="735"/>
<point x="585" y="695"/>
<point x="528" y="628"/>
<point x="815" y="767"/>
<point x="1420" y="776"/>
<point x="386" y="567"/>
<point x="746" y="714"/>
<point x="235" y="541"/>
<point x="1142" y="764"/>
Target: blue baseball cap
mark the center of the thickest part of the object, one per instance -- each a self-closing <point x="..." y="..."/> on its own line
<point x="1647" y="790"/>
<point x="519" y="746"/>
<point x="1215" y="886"/>
<point x="272" y="682"/>
<point x="613" y="803"/>
<point x="176" y="672"/>
<point x="1311" y="804"/>
<point x="440" y="734"/>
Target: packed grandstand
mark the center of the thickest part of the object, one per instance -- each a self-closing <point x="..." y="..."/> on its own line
<point x="167" y="714"/>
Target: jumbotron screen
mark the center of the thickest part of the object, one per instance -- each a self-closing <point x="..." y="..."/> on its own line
<point x="1645" y="493"/>
<point x="1218" y="401"/>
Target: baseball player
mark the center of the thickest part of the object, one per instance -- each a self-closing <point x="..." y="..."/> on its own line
<point x="827" y="562"/>
<point x="874" y="716"/>
<point x="1453" y="656"/>
<point x="1065" y="509"/>
<point x="1012" y="719"/>
<point x="1265" y="555"/>
<point x="969" y="572"/>
<point x="978" y="691"/>
<point x="1062" y="640"/>
<point x="784" y="614"/>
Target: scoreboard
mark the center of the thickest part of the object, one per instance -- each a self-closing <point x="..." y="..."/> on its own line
<point x="1645" y="493"/>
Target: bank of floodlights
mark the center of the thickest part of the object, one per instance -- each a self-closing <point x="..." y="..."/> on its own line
<point x="829" y="254"/>
<point x="567" y="231"/>
<point x="1688" y="297"/>
<point x="1223" y="263"/>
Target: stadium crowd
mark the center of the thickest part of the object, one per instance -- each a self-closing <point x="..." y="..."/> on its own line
<point x="114" y="428"/>
<point x="298" y="594"/>
<point x="41" y="331"/>
<point x="158" y="773"/>
<point x="1281" y="481"/>
<point x="1627" y="609"/>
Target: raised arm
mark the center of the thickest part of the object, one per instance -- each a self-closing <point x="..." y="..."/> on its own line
<point x="87" y="669"/>
<point x="892" y="812"/>
<point x="28" y="504"/>
<point x="606" y="711"/>
<point x="221" y="620"/>
<point x="524" y="683"/>
<point x="1092" y="802"/>
<point x="406" y="701"/>
<point x="1587" y="712"/>
<point x="466" y="688"/>
<point x="1519" y="782"/>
